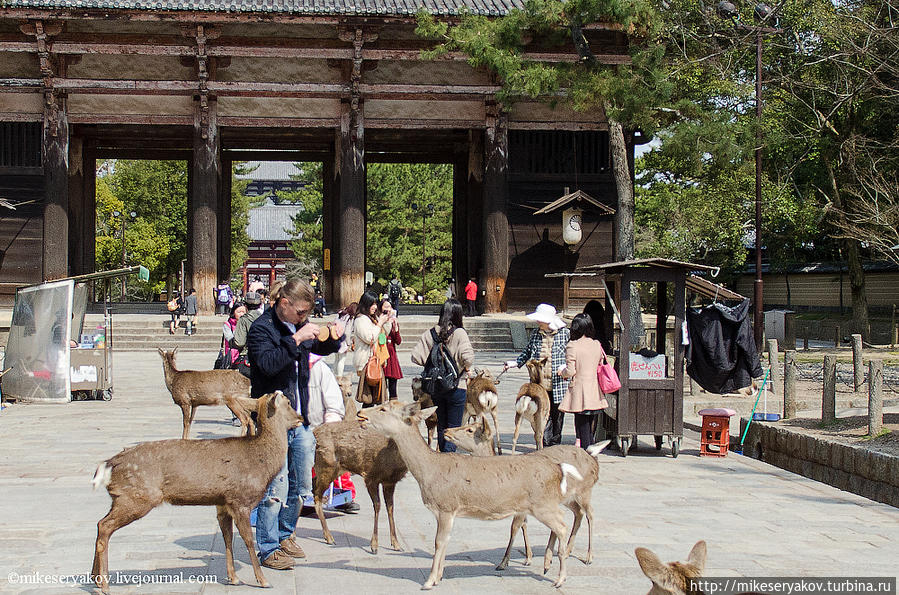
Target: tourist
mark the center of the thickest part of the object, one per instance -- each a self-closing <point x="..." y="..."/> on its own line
<point x="450" y="405"/>
<point x="583" y="397"/>
<point x="392" y="370"/>
<point x="471" y="296"/>
<point x="370" y="323"/>
<point x="395" y="292"/>
<point x="345" y="317"/>
<point x="224" y="297"/>
<point x="548" y="342"/>
<point x="237" y="310"/>
<point x="254" y="309"/>
<point x="176" y="309"/>
<point x="256" y="285"/>
<point x="190" y="309"/>
<point x="280" y="342"/>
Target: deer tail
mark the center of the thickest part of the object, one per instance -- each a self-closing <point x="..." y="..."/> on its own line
<point x="595" y="449"/>
<point x="568" y="470"/>
<point x="102" y="475"/>
<point x="488" y="399"/>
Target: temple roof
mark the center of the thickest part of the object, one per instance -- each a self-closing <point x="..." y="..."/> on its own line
<point x="290" y="7"/>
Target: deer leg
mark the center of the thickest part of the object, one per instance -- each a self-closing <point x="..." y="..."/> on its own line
<point x="242" y="520"/>
<point x="122" y="512"/>
<point x="372" y="487"/>
<point x="187" y="417"/>
<point x="517" y="522"/>
<point x="517" y="430"/>
<point x="444" y="528"/>
<point x="323" y="478"/>
<point x="499" y="448"/>
<point x="388" y="489"/>
<point x="227" y="527"/>
<point x="552" y="518"/>
<point x="588" y="511"/>
<point x="239" y="412"/>
<point x="539" y="426"/>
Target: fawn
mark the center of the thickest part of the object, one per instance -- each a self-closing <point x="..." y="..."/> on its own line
<point x="488" y="488"/>
<point x="231" y="474"/>
<point x="426" y="402"/>
<point x="532" y="403"/>
<point x="482" y="398"/>
<point x="672" y="578"/>
<point x="192" y="388"/>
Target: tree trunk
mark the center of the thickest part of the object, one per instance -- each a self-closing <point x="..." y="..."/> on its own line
<point x="624" y="222"/>
<point x="860" y="320"/>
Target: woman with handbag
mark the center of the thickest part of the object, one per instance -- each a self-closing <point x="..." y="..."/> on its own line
<point x="584" y="399"/>
<point x="369" y="326"/>
<point x="392" y="371"/>
<point x="345" y="317"/>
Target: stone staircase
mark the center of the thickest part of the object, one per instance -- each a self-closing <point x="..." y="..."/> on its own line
<point x="136" y="332"/>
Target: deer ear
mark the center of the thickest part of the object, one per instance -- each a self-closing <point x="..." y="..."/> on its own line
<point x="484" y="425"/>
<point x="654" y="569"/>
<point x="697" y="556"/>
<point x="273" y="402"/>
<point x="426" y="413"/>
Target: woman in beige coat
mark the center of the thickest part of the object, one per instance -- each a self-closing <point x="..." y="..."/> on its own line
<point x="583" y="397"/>
<point x="367" y="326"/>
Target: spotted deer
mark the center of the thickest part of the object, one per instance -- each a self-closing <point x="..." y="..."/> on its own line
<point x="532" y="403"/>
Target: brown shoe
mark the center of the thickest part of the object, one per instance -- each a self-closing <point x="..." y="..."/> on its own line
<point x="278" y="560"/>
<point x="290" y="547"/>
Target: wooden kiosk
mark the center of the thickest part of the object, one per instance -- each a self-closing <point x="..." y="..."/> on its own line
<point x="651" y="399"/>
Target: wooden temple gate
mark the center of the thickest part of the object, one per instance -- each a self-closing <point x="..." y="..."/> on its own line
<point x="210" y="83"/>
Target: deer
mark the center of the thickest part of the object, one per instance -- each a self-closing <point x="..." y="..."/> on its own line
<point x="488" y="488"/>
<point x="672" y="578"/>
<point x="349" y="402"/>
<point x="426" y="402"/>
<point x="193" y="388"/>
<point x="231" y="474"/>
<point x="532" y="403"/>
<point x="477" y="439"/>
<point x="347" y="446"/>
<point x="482" y="398"/>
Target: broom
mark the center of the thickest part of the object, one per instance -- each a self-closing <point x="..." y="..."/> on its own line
<point x="739" y="449"/>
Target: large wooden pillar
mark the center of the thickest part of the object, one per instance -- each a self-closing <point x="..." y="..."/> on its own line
<point x="89" y="215"/>
<point x="202" y="202"/>
<point x="224" y="221"/>
<point x="460" y="221"/>
<point x="349" y="274"/>
<point x="76" y="206"/>
<point x="329" y="245"/>
<point x="55" y="158"/>
<point x="496" y="223"/>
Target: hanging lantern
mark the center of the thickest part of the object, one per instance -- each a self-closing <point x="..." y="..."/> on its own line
<point x="571" y="226"/>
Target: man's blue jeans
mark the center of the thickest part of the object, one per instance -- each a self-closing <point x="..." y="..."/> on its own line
<point x="450" y="408"/>
<point x="277" y="514"/>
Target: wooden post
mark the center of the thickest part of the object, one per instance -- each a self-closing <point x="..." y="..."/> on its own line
<point x="55" y="157"/>
<point x="805" y="341"/>
<point x="203" y="200"/>
<point x="790" y="373"/>
<point x="566" y="287"/>
<point x="894" y="329"/>
<point x="661" y="316"/>
<point x="349" y="276"/>
<point x="496" y="224"/>
<point x="857" y="363"/>
<point x="829" y="396"/>
<point x="875" y="397"/>
<point x="774" y="364"/>
<point x="837" y="338"/>
<point x="76" y="206"/>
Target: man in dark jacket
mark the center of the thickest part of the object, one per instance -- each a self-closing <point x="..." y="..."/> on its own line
<point x="279" y="344"/>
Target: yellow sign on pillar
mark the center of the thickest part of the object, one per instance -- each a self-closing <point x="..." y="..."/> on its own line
<point x="326" y="260"/>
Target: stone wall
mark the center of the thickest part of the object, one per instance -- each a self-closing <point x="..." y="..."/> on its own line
<point x="858" y="470"/>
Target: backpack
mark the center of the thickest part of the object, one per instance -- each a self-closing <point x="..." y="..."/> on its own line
<point x="440" y="375"/>
<point x="394" y="290"/>
<point x="223" y="295"/>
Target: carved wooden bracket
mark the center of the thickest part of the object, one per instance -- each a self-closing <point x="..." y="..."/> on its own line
<point x="358" y="37"/>
<point x="49" y="66"/>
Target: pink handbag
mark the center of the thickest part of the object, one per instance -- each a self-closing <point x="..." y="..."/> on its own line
<point x="606" y="375"/>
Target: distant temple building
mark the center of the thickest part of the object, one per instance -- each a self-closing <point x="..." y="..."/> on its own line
<point x="270" y="223"/>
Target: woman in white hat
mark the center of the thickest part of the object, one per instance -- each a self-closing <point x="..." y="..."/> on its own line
<point x="549" y="341"/>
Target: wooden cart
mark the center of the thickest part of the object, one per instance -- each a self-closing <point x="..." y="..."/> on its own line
<point x="651" y="398"/>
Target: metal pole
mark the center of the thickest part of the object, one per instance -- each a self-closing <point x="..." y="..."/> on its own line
<point x="423" y="291"/>
<point x="123" y="256"/>
<point x="758" y="192"/>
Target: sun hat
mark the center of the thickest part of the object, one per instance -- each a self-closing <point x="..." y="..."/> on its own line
<point x="252" y="298"/>
<point x="547" y="313"/>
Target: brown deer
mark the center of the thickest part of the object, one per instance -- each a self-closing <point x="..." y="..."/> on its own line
<point x="672" y="578"/>
<point x="476" y="438"/>
<point x="532" y="403"/>
<point x="193" y="388"/>
<point x="346" y="446"/>
<point x="488" y="488"/>
<point x="426" y="402"/>
<point x="482" y="398"/>
<point x="349" y="401"/>
<point x="231" y="474"/>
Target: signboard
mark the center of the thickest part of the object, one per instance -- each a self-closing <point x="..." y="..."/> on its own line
<point x="646" y="368"/>
<point x="326" y="260"/>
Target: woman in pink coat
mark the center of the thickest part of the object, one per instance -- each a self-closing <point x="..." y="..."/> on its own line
<point x="583" y="397"/>
<point x="392" y="370"/>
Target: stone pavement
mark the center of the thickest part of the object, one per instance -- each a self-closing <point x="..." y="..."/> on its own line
<point x="758" y="520"/>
